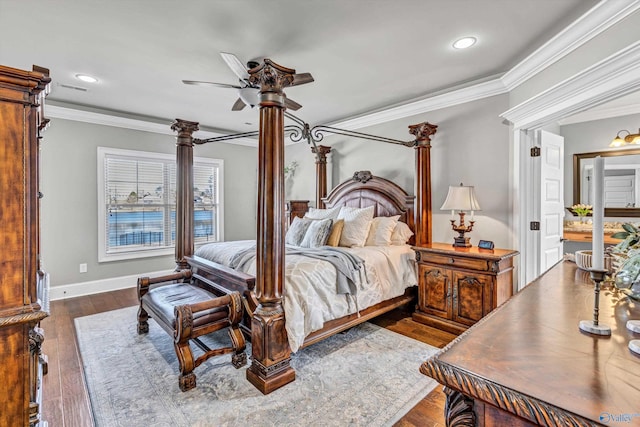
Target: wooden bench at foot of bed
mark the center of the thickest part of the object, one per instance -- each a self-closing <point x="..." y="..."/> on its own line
<point x="187" y="311"/>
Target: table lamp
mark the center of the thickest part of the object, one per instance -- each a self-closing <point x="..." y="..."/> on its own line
<point x="461" y="198"/>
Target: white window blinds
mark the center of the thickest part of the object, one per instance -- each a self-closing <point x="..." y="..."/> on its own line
<point x="138" y="199"/>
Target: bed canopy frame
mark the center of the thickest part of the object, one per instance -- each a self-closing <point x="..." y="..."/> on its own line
<point x="270" y="368"/>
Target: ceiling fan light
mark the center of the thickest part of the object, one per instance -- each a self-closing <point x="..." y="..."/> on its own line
<point x="250" y="96"/>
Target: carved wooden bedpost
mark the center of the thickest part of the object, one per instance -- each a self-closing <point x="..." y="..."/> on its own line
<point x="321" y="152"/>
<point x="423" y="133"/>
<point x="270" y="368"/>
<point x="184" y="191"/>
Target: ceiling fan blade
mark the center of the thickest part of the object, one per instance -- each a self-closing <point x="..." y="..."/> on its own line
<point x="238" y="105"/>
<point x="199" y="83"/>
<point x="302" y="78"/>
<point x="236" y="66"/>
<point x="292" y="105"/>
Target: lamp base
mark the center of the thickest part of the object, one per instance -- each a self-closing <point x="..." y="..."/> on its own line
<point x="461" y="242"/>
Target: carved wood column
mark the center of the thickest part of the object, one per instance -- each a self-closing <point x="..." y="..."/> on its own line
<point x="270" y="368"/>
<point x="184" y="190"/>
<point x="423" y="133"/>
<point x="321" y="152"/>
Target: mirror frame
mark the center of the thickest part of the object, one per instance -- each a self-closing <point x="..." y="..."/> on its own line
<point x="612" y="212"/>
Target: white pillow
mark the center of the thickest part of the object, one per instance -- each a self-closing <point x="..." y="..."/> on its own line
<point x="401" y="234"/>
<point x="356" y="225"/>
<point x="381" y="229"/>
<point x="314" y="213"/>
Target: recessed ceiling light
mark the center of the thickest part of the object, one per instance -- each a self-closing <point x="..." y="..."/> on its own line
<point x="464" y="42"/>
<point x="86" y="78"/>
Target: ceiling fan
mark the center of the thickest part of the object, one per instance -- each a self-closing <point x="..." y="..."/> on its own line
<point x="249" y="94"/>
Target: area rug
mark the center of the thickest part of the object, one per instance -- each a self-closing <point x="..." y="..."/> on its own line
<point x="366" y="376"/>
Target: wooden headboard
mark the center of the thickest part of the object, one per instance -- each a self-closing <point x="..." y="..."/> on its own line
<point x="365" y="189"/>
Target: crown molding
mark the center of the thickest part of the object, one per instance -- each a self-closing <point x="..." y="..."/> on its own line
<point x="451" y="98"/>
<point x="600" y="114"/>
<point x="67" y="113"/>
<point x="608" y="79"/>
<point x="598" y="19"/>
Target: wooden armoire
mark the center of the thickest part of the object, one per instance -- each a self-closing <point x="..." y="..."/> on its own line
<point x="23" y="284"/>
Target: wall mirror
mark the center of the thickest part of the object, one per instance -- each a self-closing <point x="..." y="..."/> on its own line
<point x="622" y="181"/>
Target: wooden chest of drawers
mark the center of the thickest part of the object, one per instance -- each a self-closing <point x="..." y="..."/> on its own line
<point x="459" y="286"/>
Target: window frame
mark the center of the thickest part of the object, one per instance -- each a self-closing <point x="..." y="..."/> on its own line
<point x="146" y="252"/>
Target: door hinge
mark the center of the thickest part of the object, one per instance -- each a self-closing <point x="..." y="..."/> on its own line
<point x="534" y="225"/>
<point x="535" y="151"/>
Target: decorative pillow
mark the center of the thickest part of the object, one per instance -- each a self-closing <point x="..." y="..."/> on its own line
<point x="356" y="225"/>
<point x="296" y="231"/>
<point x="317" y="233"/>
<point x="381" y="229"/>
<point x="314" y="213"/>
<point x="336" y="232"/>
<point x="401" y="234"/>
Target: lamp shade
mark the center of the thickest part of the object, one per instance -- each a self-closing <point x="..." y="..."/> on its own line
<point x="461" y="198"/>
<point x="617" y="142"/>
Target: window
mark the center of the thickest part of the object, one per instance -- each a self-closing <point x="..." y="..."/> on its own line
<point x="137" y="203"/>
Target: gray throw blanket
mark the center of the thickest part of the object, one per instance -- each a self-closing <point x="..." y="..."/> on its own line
<point x="349" y="267"/>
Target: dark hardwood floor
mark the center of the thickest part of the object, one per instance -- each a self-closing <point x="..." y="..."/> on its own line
<point x="66" y="403"/>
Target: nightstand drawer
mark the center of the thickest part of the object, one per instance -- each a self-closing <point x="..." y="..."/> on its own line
<point x="457" y="261"/>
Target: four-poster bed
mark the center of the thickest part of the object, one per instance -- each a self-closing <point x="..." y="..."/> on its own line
<point x="263" y="293"/>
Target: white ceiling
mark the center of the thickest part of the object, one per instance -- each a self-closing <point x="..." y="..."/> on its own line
<point x="364" y="54"/>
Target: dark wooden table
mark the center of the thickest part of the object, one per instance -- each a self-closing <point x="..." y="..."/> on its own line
<point x="527" y="363"/>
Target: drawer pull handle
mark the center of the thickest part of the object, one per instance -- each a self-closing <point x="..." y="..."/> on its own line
<point x="451" y="260"/>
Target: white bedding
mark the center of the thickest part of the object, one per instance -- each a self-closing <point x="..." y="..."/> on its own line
<point x="310" y="297"/>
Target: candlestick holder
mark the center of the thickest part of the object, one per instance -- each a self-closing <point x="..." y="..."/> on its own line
<point x="593" y="326"/>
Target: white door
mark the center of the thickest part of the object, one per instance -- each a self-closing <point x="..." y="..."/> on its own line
<point x="619" y="191"/>
<point x="551" y="198"/>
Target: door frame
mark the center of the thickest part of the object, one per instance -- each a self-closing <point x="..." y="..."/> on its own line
<point x="604" y="81"/>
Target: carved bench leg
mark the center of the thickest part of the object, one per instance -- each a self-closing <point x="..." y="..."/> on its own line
<point x="239" y="360"/>
<point x="239" y="357"/>
<point x="143" y="316"/>
<point x="143" y="321"/>
<point x="184" y="327"/>
<point x="187" y="382"/>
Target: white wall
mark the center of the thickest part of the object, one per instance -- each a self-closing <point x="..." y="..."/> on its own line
<point x="471" y="146"/>
<point x="69" y="219"/>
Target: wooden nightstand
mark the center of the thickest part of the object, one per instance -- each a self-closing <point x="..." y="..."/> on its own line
<point x="459" y="286"/>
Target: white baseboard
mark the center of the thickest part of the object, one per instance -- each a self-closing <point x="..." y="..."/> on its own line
<point x="97" y="286"/>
